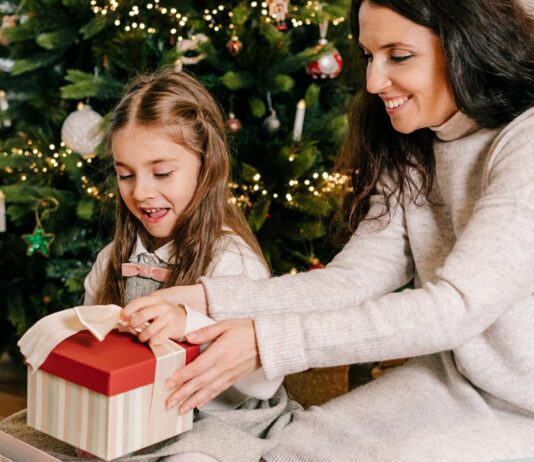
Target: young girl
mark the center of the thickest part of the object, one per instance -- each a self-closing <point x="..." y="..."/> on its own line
<point x="175" y="223"/>
<point x="441" y="155"/>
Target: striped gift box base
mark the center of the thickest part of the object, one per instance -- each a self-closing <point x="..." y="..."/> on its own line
<point x="106" y="426"/>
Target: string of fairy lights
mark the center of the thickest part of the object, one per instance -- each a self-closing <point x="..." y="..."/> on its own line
<point x="219" y="18"/>
<point x="53" y="160"/>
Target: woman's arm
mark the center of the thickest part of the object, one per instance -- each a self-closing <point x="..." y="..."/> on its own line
<point x="488" y="271"/>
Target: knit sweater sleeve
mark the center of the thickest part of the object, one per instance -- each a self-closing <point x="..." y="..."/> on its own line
<point x="487" y="272"/>
<point x="375" y="261"/>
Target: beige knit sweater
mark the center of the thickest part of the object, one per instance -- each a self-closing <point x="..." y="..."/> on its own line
<point x="471" y="255"/>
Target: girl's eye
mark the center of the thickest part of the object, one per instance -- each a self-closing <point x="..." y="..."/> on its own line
<point x="163" y="175"/>
<point x="366" y="56"/>
<point x="124" y="177"/>
<point x="400" y="58"/>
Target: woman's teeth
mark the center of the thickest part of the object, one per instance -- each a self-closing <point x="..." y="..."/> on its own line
<point x="394" y="103"/>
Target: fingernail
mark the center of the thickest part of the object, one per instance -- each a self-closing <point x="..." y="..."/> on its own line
<point x="171" y="384"/>
<point x="172" y="403"/>
<point x="185" y="409"/>
<point x="192" y="335"/>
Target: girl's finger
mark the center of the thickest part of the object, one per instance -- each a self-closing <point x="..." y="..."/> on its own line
<point x="146" y="314"/>
<point x="134" y="306"/>
<point x="151" y="330"/>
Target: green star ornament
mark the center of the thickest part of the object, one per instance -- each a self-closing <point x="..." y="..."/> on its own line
<point x="38" y="241"/>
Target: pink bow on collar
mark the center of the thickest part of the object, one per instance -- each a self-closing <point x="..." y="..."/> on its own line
<point x="145" y="271"/>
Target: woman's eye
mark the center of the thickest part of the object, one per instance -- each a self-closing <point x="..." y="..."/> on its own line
<point x="400" y="58"/>
<point x="124" y="177"/>
<point x="366" y="56"/>
<point x="163" y="175"/>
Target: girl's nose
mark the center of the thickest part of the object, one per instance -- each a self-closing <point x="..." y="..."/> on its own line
<point x="377" y="79"/>
<point x="142" y="190"/>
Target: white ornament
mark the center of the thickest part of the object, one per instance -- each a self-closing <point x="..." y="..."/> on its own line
<point x="188" y="49"/>
<point x="82" y="131"/>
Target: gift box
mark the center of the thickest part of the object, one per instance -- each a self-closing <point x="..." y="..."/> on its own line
<point x="107" y="397"/>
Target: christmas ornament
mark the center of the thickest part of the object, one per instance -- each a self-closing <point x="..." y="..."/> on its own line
<point x="82" y="131"/>
<point x="4" y="106"/>
<point x="7" y="22"/>
<point x="188" y="49"/>
<point x="2" y="212"/>
<point x="234" y="45"/>
<point x="233" y="123"/>
<point x="299" y="120"/>
<point x="278" y="10"/>
<point x="40" y="240"/>
<point x="271" y="124"/>
<point x="315" y="263"/>
<point x="329" y="64"/>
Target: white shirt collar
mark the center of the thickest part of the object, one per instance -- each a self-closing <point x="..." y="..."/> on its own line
<point x="164" y="253"/>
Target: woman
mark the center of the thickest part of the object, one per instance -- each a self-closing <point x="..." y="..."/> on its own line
<point x="442" y="165"/>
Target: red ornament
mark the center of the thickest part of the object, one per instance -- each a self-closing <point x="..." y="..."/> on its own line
<point x="234" y="45"/>
<point x="328" y="66"/>
<point x="233" y="123"/>
<point x="315" y="263"/>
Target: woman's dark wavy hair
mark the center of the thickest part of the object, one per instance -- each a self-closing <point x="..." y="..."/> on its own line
<point x="488" y="48"/>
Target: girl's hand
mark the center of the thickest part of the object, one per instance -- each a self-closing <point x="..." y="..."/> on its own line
<point x="232" y="355"/>
<point x="154" y="319"/>
<point x="194" y="296"/>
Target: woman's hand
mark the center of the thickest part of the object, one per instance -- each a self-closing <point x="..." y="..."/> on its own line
<point x="154" y="319"/>
<point x="232" y="355"/>
<point x="194" y="296"/>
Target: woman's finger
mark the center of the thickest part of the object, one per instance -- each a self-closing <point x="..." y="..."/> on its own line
<point x="207" y="334"/>
<point x="205" y="394"/>
<point x="191" y="387"/>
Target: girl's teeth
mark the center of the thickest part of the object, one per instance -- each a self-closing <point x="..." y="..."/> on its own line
<point x="393" y="103"/>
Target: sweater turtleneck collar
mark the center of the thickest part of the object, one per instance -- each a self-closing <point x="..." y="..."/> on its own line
<point x="455" y="127"/>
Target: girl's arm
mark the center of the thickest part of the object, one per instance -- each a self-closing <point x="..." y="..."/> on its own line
<point x="93" y="279"/>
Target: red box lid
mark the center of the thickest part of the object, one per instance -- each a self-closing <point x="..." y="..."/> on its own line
<point x="118" y="364"/>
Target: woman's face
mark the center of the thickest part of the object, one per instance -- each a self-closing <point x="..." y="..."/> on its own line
<point x="405" y="68"/>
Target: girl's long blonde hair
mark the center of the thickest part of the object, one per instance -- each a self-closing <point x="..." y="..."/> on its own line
<point x="177" y="105"/>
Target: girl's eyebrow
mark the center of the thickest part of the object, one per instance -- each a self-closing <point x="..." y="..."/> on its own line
<point x="152" y="162"/>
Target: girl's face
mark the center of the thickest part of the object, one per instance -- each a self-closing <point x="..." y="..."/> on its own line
<point x="157" y="178"/>
<point x="405" y="68"/>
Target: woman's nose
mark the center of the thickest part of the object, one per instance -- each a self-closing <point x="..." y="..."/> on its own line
<point x="377" y="79"/>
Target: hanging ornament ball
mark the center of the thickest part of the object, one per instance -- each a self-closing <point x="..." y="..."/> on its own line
<point x="328" y="66"/>
<point x="271" y="124"/>
<point x="234" y="45"/>
<point x="188" y="49"/>
<point x="315" y="263"/>
<point x="233" y="123"/>
<point x="82" y="131"/>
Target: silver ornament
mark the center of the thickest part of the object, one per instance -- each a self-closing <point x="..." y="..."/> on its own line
<point x="271" y="124"/>
<point x="82" y="131"/>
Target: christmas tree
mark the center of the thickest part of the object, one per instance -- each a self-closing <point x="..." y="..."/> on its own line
<point x="273" y="66"/>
